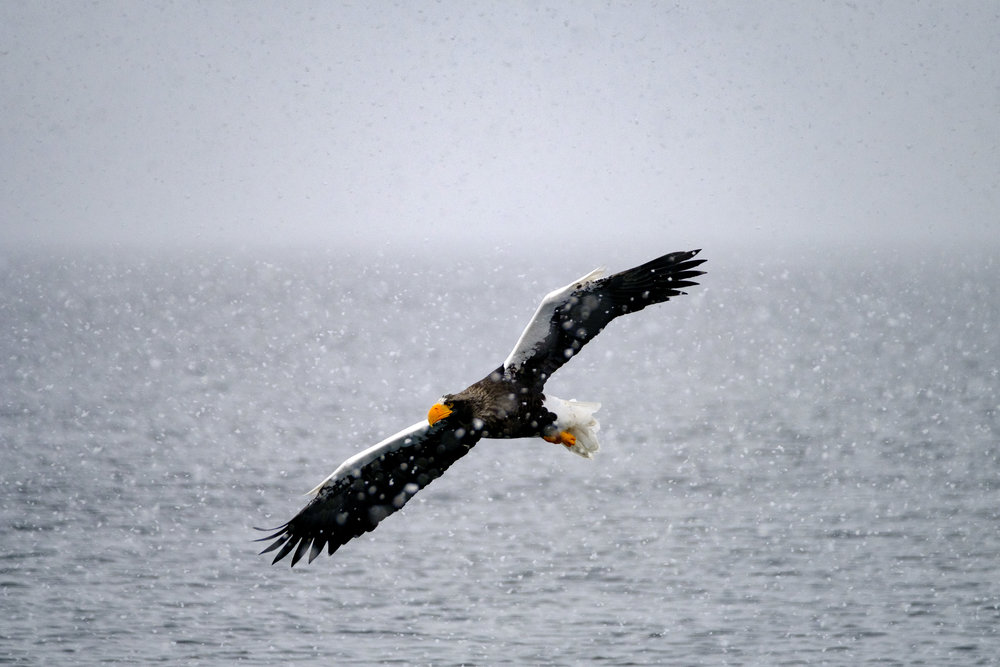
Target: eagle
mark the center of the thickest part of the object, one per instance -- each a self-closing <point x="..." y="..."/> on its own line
<point x="507" y="403"/>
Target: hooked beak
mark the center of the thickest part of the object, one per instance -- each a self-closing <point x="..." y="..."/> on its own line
<point x="437" y="412"/>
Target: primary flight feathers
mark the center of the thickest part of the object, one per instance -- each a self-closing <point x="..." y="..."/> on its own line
<point x="507" y="403"/>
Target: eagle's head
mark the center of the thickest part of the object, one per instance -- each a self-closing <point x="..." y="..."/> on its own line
<point x="447" y="406"/>
<point x="438" y="411"/>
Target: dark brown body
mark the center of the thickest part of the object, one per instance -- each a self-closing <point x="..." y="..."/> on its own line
<point x="503" y="408"/>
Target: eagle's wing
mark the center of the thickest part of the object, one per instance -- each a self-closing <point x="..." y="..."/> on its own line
<point x="569" y="317"/>
<point x="370" y="486"/>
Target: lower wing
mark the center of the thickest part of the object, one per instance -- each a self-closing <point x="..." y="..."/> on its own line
<point x="370" y="486"/>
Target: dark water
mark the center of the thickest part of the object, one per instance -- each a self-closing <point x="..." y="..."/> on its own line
<point x="800" y="464"/>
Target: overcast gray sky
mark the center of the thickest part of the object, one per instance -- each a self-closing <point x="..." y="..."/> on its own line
<point x="472" y="124"/>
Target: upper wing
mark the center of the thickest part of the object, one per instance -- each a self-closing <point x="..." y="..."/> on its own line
<point x="569" y="317"/>
<point x="370" y="486"/>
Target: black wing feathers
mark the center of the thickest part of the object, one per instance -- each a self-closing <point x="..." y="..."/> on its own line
<point x="357" y="501"/>
<point x="589" y="309"/>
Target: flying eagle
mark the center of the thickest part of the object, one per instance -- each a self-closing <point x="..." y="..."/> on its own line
<point x="507" y="403"/>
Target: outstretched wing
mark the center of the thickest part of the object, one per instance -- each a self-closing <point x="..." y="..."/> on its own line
<point x="370" y="486"/>
<point x="568" y="318"/>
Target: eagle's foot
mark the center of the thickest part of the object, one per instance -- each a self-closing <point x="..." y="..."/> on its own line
<point x="562" y="438"/>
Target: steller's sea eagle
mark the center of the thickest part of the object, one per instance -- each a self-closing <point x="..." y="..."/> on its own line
<point x="507" y="403"/>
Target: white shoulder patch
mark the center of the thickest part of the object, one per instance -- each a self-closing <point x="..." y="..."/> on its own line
<point x="390" y="444"/>
<point x="538" y="328"/>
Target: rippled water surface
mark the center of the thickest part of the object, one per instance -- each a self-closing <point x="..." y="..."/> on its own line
<point x="799" y="465"/>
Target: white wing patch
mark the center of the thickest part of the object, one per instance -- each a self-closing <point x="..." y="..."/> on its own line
<point x="390" y="444"/>
<point x="538" y="328"/>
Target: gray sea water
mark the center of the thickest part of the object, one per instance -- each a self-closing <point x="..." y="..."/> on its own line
<point x="800" y="464"/>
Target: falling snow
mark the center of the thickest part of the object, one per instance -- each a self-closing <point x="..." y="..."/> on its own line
<point x="799" y="460"/>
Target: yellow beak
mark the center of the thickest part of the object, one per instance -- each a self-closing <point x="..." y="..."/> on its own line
<point x="437" y="412"/>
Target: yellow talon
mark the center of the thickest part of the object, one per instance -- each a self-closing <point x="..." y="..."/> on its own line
<point x="564" y="438"/>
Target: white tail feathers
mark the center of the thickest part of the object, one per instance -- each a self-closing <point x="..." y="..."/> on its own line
<point x="577" y="419"/>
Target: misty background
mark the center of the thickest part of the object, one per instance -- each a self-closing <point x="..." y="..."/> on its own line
<point x="240" y="242"/>
<point x="469" y="126"/>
